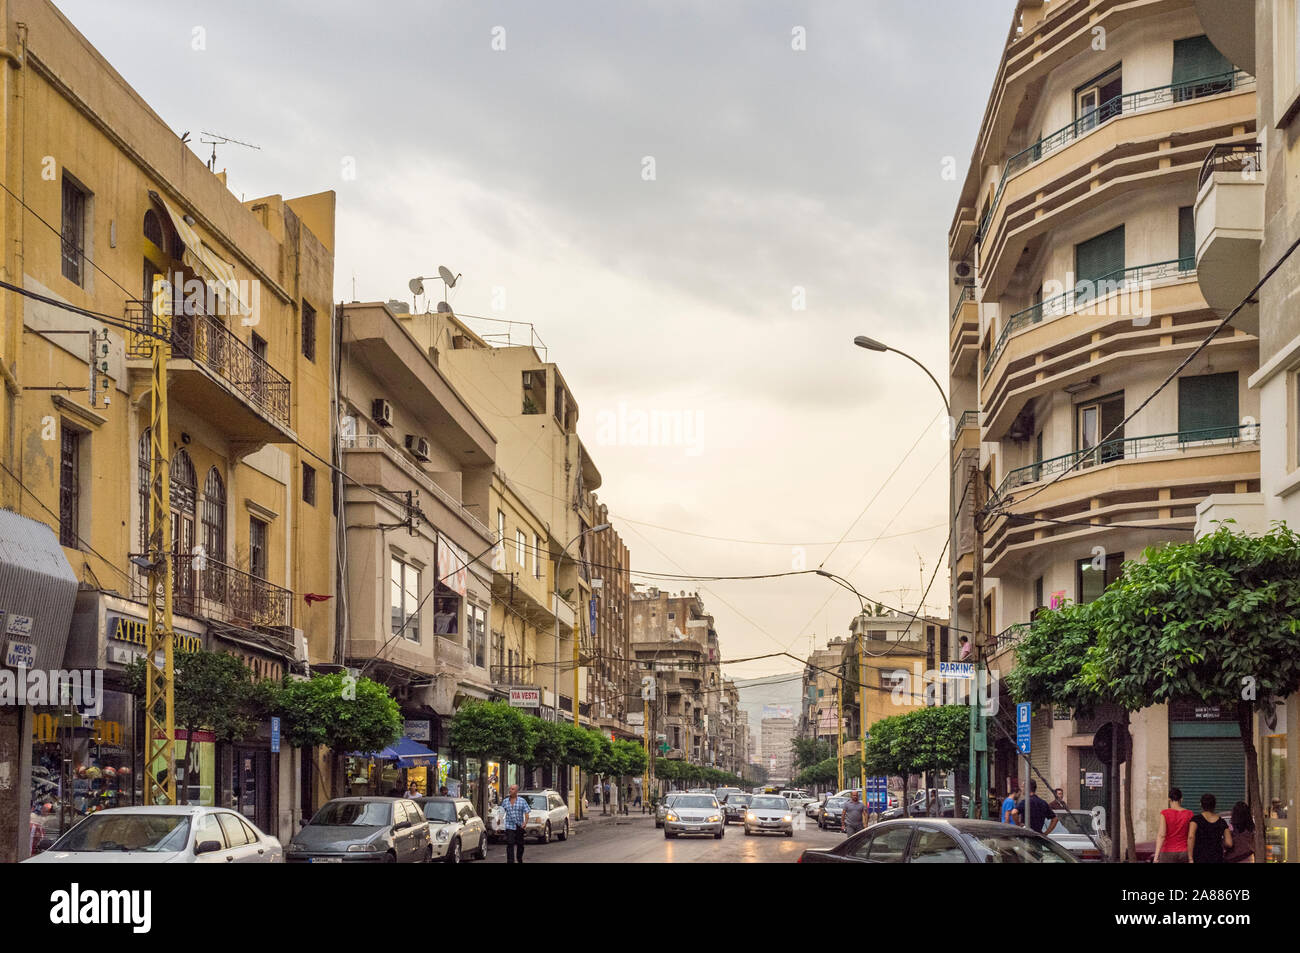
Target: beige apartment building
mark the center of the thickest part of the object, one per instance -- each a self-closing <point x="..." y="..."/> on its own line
<point x="819" y="706"/>
<point x="611" y="690"/>
<point x="1074" y="293"/>
<point x="776" y="746"/>
<point x="1246" y="208"/>
<point x="416" y="563"/>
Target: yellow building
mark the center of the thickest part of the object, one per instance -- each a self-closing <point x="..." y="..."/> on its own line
<point x="101" y="196"/>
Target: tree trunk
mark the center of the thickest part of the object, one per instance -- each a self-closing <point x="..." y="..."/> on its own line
<point x="183" y="795"/>
<point x="903" y="804"/>
<point x="1130" y="848"/>
<point x="1254" y="789"/>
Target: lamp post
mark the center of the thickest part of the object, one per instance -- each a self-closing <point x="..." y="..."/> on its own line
<point x="978" y="746"/>
<point x="577" y="798"/>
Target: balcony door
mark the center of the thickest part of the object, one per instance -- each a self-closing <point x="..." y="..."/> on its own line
<point x="184" y="494"/>
<point x="1098" y="99"/>
<point x="214" y="537"/>
<point x="1095" y="420"/>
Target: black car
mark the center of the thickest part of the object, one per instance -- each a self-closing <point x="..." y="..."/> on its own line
<point x="940" y="841"/>
<point x="735" y="806"/>
<point x="831" y="813"/>
<point x="939" y="807"/>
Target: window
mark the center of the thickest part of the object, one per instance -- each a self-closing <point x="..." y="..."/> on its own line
<point x="1095" y="421"/>
<point x="144" y="456"/>
<point x="257" y="554"/>
<point x="935" y="847"/>
<point x="258" y="346"/>
<point x="1096" y="259"/>
<point x="521" y="548"/>
<point x="1099" y="99"/>
<point x="74" y="230"/>
<point x="236" y="834"/>
<point x="534" y="392"/>
<point x="476" y="637"/>
<point x="214" y="535"/>
<point x="308" y="331"/>
<point x="1207" y="407"/>
<point x="1199" y="69"/>
<point x="885" y="847"/>
<point x="70" y="485"/>
<point x="309" y="484"/>
<point x="1091" y="580"/>
<point x="1038" y="593"/>
<point x="1187" y="238"/>
<point x="501" y="526"/>
<point x="404" y="599"/>
<point x="537" y="556"/>
<point x="446" y="611"/>
<point x="206" y="828"/>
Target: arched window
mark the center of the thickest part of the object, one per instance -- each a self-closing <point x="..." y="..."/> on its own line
<point x="153" y="230"/>
<point x="214" y="536"/>
<point x="184" y="493"/>
<point x="142" y="470"/>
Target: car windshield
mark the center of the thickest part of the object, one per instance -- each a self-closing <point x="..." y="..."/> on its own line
<point x="154" y="833"/>
<point x="1075" y="823"/>
<point x="768" y="803"/>
<point x="354" y="814"/>
<point x="439" y="811"/>
<point x="1012" y="848"/>
<point x="835" y="801"/>
<point x="741" y="799"/>
<point x="538" y="801"/>
<point x="695" y="801"/>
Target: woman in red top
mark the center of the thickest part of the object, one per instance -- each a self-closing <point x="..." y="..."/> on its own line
<point x="1171" y="840"/>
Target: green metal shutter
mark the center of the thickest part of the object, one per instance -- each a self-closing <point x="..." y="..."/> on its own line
<point x="1186" y="238"/>
<point x="1207" y="406"/>
<point x="1040" y="748"/>
<point x="1099" y="257"/>
<point x="1201" y="765"/>
<point x="1197" y="58"/>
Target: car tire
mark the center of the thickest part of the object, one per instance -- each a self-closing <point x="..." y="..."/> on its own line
<point x="428" y="854"/>
<point x="481" y="853"/>
<point x="748" y="832"/>
<point x="668" y="836"/>
<point x="453" y="852"/>
<point x="718" y="836"/>
<point x="390" y="858"/>
<point x="658" y="825"/>
<point x="545" y="836"/>
<point x="564" y="834"/>
<point x="789" y="833"/>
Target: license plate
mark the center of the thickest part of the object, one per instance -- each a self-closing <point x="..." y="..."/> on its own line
<point x="324" y="860"/>
<point x="695" y="827"/>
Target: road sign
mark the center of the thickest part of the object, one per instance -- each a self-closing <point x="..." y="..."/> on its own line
<point x="878" y="793"/>
<point x="960" y="670"/>
<point x="648" y="687"/>
<point x="1022" y="727"/>
<point x="275" y="735"/>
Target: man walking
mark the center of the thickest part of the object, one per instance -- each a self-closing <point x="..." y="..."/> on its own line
<point x="1040" y="812"/>
<point x="854" y="814"/>
<point x="1009" y="805"/>
<point x="514" y="813"/>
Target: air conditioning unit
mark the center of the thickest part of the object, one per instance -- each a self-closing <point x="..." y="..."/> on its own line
<point x="963" y="274"/>
<point x="528" y="379"/>
<point x="381" y="412"/>
<point x="417" y="446"/>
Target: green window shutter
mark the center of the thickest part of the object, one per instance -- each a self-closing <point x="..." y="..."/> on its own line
<point x="1207" y="406"/>
<point x="1099" y="257"/>
<point x="1186" y="238"/>
<point x="1196" y="59"/>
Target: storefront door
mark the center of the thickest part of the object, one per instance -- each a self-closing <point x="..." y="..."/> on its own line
<point x="251" y="786"/>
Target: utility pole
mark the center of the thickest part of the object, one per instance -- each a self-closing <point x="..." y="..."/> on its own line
<point x="577" y="771"/>
<point x="159" y="683"/>
<point x="839" y="733"/>
<point x="978" y="769"/>
<point x="862" y="711"/>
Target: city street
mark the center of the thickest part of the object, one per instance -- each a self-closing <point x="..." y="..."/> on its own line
<point x="636" y="840"/>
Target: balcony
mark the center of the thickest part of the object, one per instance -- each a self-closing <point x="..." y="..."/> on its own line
<point x="205" y="588"/>
<point x="1007" y="638"/>
<point x="212" y="370"/>
<point x="964" y="333"/>
<point x="1230" y="229"/>
<point x="966" y="434"/>
<point x="511" y="674"/>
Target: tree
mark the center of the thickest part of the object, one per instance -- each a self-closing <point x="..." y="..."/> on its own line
<point x="214" y="692"/>
<point x="338" y="713"/>
<point x="935" y="738"/>
<point x="810" y="751"/>
<point x="1216" y="620"/>
<point x="491" y="731"/>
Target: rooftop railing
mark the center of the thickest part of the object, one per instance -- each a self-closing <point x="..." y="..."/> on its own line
<point x="1246" y="158"/>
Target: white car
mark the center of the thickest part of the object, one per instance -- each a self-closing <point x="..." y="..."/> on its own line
<point x="769" y="814"/>
<point x="176" y="834"/>
<point x="548" y="816"/>
<point x="456" y="831"/>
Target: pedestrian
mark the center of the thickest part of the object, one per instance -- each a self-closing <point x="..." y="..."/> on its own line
<point x="412" y="790"/>
<point x="965" y="648"/>
<point x="1171" y="837"/>
<point x="1060" y="800"/>
<point x="605" y="798"/>
<point x="854" y="814"/>
<point x="1242" y="825"/>
<point x="514" y="818"/>
<point x="1041" y="816"/>
<point x="442" y="791"/>
<point x="1208" y="834"/>
<point x="1009" y="804"/>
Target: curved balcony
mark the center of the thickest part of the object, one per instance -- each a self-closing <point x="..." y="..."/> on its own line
<point x="1118" y="148"/>
<point x="964" y="333"/>
<point x="1007" y="638"/>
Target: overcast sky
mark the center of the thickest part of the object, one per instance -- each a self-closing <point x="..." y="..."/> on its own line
<point x="648" y="183"/>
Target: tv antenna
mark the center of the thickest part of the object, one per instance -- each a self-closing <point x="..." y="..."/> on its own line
<point x="218" y="140"/>
<point x="448" y="281"/>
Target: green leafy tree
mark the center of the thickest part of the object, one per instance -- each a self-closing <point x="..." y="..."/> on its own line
<point x="1216" y="621"/>
<point x="337" y="712"/>
<point x="633" y="757"/>
<point x="214" y="692"/>
<point x="492" y="731"/>
<point x="810" y="751"/>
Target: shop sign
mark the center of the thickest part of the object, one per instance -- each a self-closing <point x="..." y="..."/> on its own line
<point x="134" y="631"/>
<point x="417" y="729"/>
<point x="1093" y="780"/>
<point x="452" y="563"/>
<point x="19" y="626"/>
<point x="525" y="698"/>
<point x="19" y="653"/>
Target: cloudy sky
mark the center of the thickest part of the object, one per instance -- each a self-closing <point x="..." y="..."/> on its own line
<point x="696" y="217"/>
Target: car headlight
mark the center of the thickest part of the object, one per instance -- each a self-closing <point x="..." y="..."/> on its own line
<point x="713" y="819"/>
<point x="670" y="816"/>
<point x="443" y="833"/>
<point x="367" y="848"/>
<point x="292" y="848"/>
<point x="749" y="815"/>
<point x="787" y="818"/>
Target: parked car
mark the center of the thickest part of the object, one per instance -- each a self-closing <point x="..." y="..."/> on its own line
<point x="363" y="830"/>
<point x="769" y="814"/>
<point x="548" y="815"/>
<point x="457" y="830"/>
<point x="662" y="810"/>
<point x="177" y="834"/>
<point x="941" y="807"/>
<point x="1074" y="832"/>
<point x="937" y="841"/>
<point x="694" y="814"/>
<point x="812" y="809"/>
<point x="831" y="813"/>
<point x="735" y="806"/>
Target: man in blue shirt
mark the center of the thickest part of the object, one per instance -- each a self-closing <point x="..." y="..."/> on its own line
<point x="1009" y="804"/>
<point x="514" y="814"/>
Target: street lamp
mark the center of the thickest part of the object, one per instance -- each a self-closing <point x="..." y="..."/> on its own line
<point x="871" y="344"/>
<point x="577" y="800"/>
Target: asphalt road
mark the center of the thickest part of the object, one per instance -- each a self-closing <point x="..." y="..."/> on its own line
<point x="636" y="840"/>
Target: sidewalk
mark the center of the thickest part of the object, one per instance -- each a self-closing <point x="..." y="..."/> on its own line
<point x="595" y="818"/>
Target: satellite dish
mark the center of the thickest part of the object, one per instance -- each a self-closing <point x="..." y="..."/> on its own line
<point x="416" y="285"/>
<point x="444" y="307"/>
<point x="445" y="274"/>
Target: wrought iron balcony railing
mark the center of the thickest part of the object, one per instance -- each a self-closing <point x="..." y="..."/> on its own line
<point x="205" y="340"/>
<point x="202" y="586"/>
<point x="1087" y="293"/>
<point x="1010" y="635"/>
<point x="1246" y="158"/>
<point x="967" y="294"/>
<point x="1127" y="448"/>
<point x="1125" y="105"/>
<point x="511" y="674"/>
<point x="970" y="418"/>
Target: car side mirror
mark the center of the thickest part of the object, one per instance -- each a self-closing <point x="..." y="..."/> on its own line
<point x="401" y="825"/>
<point x="207" y="847"/>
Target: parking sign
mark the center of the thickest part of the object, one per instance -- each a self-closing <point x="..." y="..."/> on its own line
<point x="1022" y="727"/>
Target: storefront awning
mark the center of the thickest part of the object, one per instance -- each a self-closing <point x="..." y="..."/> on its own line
<point x="218" y="274"/>
<point x="407" y="753"/>
<point x="37" y="592"/>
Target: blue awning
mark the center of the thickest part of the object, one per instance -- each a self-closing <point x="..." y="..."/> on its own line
<point x="407" y="753"/>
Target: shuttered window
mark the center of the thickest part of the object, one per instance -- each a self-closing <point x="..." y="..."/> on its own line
<point x="1100" y="257"/>
<point x="1186" y="238"/>
<point x="1196" y="59"/>
<point x="1201" y="765"/>
<point x="1207" y="406"/>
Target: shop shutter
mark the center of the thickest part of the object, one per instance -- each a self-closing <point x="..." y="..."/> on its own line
<point x="1040" y="748"/>
<point x="1100" y="257"/>
<point x="1207" y="406"/>
<point x="1196" y="58"/>
<point x="1208" y="765"/>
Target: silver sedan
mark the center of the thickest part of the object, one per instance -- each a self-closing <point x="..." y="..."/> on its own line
<point x="769" y="814"/>
<point x="695" y="814"/>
